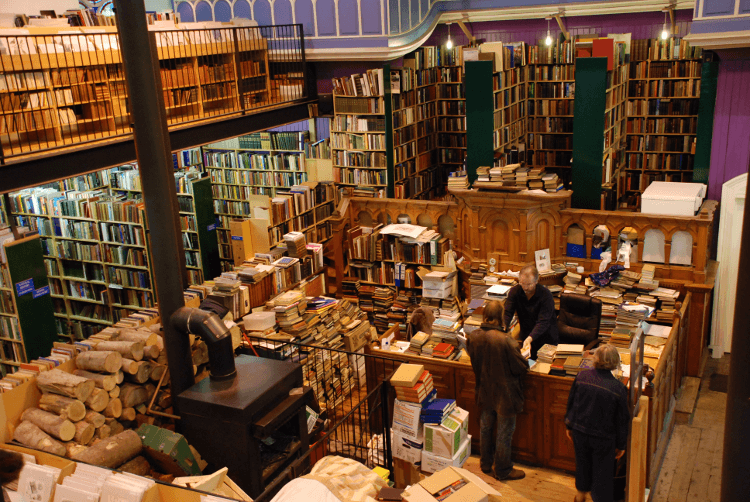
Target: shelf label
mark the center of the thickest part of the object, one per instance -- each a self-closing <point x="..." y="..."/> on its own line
<point x="25" y="287"/>
<point x="236" y="237"/>
<point x="211" y="227"/>
<point x="40" y="292"/>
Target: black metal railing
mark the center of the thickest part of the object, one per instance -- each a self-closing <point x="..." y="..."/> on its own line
<point x="58" y="91"/>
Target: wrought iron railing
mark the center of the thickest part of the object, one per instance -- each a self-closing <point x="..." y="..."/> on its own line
<point x="58" y="91"/>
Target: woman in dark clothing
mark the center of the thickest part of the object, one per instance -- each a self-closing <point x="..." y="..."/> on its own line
<point x="421" y="320"/>
<point x="597" y="421"/>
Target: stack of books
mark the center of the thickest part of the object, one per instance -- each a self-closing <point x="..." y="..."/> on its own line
<point x="437" y="410"/>
<point x="535" y="178"/>
<point x="667" y="303"/>
<point x="573" y="284"/>
<point x="296" y="244"/>
<point x="365" y="298"/>
<point x="412" y="383"/>
<point x="508" y="174"/>
<point x="350" y="288"/>
<point x="476" y="280"/>
<point x="572" y="365"/>
<point x="382" y="300"/>
<point x="443" y="350"/>
<point x="552" y="182"/>
<point x="647" y="282"/>
<point x="417" y="342"/>
<point x="569" y="349"/>
<point x="546" y="354"/>
<point x="458" y="180"/>
<point x="483" y="173"/>
<point x="522" y="177"/>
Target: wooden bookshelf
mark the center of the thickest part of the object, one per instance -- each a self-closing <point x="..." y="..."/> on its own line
<point x="510" y="101"/>
<point x="72" y="90"/>
<point x="199" y="227"/>
<point x="242" y="168"/>
<point x="451" y="119"/>
<point x="25" y="305"/>
<point x="615" y="120"/>
<point x="662" y="106"/>
<point x="360" y="120"/>
<point x="551" y="106"/>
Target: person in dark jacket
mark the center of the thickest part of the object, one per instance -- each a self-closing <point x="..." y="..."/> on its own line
<point x="11" y="464"/>
<point x="597" y="420"/>
<point x="499" y="369"/>
<point x="535" y="308"/>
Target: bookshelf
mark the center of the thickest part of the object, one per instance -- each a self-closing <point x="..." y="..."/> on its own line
<point x="96" y="254"/>
<point x="551" y="93"/>
<point x="360" y="120"/>
<point x="615" y="122"/>
<point x="662" y="107"/>
<point x="241" y="168"/>
<point x="407" y="160"/>
<point x="25" y="304"/>
<point x="510" y="100"/>
<point x="198" y="226"/>
<point x="451" y="118"/>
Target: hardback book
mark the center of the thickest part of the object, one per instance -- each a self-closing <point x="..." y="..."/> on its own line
<point x="407" y="375"/>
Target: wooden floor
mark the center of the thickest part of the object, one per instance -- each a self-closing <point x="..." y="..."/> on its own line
<point x="692" y="465"/>
<point x="691" y="469"/>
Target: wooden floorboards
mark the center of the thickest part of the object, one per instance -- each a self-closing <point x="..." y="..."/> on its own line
<point x="692" y="465"/>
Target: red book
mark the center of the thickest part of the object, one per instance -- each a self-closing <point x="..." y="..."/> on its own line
<point x="604" y="48"/>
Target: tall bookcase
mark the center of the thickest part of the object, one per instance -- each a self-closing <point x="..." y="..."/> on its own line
<point x="241" y="168"/>
<point x="198" y="226"/>
<point x="408" y="147"/>
<point x="27" y="326"/>
<point x="551" y="97"/>
<point x="510" y="111"/>
<point x="615" y="122"/>
<point x="359" y="136"/>
<point x="451" y="96"/>
<point x="662" y="109"/>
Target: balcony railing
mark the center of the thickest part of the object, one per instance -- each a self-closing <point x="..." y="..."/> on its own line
<point x="63" y="90"/>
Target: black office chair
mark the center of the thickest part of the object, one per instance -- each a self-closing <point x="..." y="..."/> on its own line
<point x="579" y="319"/>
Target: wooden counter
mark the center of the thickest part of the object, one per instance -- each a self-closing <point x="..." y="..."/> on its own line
<point x="540" y="437"/>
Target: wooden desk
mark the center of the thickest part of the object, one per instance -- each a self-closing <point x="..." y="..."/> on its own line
<point x="540" y="430"/>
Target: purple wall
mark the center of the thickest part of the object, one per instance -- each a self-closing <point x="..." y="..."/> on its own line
<point x="643" y="25"/>
<point x="321" y="126"/>
<point x="730" y="151"/>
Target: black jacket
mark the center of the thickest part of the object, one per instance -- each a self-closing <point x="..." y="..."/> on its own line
<point x="499" y="368"/>
<point x="598" y="406"/>
<point x="536" y="315"/>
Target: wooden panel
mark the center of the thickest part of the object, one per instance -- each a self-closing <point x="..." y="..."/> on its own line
<point x="530" y="424"/>
<point x="466" y="399"/>
<point x="443" y="379"/>
<point x="558" y="448"/>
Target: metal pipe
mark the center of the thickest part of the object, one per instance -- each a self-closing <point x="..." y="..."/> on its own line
<point x="735" y="483"/>
<point x="138" y="49"/>
<point x="214" y="332"/>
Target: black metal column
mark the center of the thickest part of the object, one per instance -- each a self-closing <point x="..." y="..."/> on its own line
<point x="735" y="483"/>
<point x="138" y="48"/>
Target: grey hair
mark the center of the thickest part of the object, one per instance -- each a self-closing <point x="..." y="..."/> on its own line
<point x="530" y="270"/>
<point x="606" y="357"/>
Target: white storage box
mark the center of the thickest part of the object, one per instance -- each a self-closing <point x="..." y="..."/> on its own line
<point x="673" y="199"/>
<point x="433" y="463"/>
<point x="406" y="448"/>
<point x="406" y="419"/>
<point x="437" y="289"/>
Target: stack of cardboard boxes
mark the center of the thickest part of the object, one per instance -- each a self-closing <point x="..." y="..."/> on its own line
<point x="428" y="434"/>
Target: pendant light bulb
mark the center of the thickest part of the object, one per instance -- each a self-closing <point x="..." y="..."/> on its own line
<point x="664" y="32"/>
<point x="449" y="43"/>
<point x="548" y="40"/>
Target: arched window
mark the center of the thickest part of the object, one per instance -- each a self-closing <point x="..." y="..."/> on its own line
<point x="681" y="252"/>
<point x="653" y="246"/>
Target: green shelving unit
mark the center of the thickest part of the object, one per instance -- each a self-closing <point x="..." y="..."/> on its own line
<point x="479" y="117"/>
<point x="207" y="227"/>
<point x="705" y="128"/>
<point x="588" y="124"/>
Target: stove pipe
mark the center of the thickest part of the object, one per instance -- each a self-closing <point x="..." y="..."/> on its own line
<point x="212" y="330"/>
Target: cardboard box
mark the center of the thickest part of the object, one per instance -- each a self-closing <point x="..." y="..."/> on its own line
<point x="433" y="463"/>
<point x="355" y="339"/>
<point x="407" y="449"/>
<point x="446" y="439"/>
<point x="405" y="473"/>
<point x="406" y="419"/>
<point x="474" y="490"/>
<point x="242" y="240"/>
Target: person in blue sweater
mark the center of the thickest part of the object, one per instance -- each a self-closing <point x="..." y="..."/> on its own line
<point x="597" y="420"/>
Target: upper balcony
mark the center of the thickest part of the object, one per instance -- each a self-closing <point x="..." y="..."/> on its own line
<point x="63" y="89"/>
<point x="721" y="24"/>
<point x="387" y="29"/>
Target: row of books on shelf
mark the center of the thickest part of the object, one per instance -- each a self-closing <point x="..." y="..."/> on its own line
<point x="348" y="141"/>
<point x="664" y="106"/>
<point x="320" y="149"/>
<point x="665" y="69"/>
<point x="643" y="143"/>
<point x="655" y="49"/>
<point x="667" y="126"/>
<point x="269" y="140"/>
<point x="359" y="176"/>
<point x="661" y="161"/>
<point x="550" y="90"/>
<point x="369" y="83"/>
<point x="358" y="105"/>
<point x="375" y="244"/>
<point x="432" y="56"/>
<point x="239" y="178"/>
<point x="354" y="123"/>
<point x="665" y="89"/>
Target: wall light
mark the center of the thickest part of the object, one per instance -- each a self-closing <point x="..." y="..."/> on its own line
<point x="548" y="40"/>
<point x="449" y="43"/>
<point x="664" y="32"/>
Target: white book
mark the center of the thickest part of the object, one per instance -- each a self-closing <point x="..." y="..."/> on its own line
<point x="70" y="494"/>
<point x="37" y="482"/>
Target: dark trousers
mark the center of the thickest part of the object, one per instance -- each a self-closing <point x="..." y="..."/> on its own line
<point x="499" y="450"/>
<point x="595" y="465"/>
